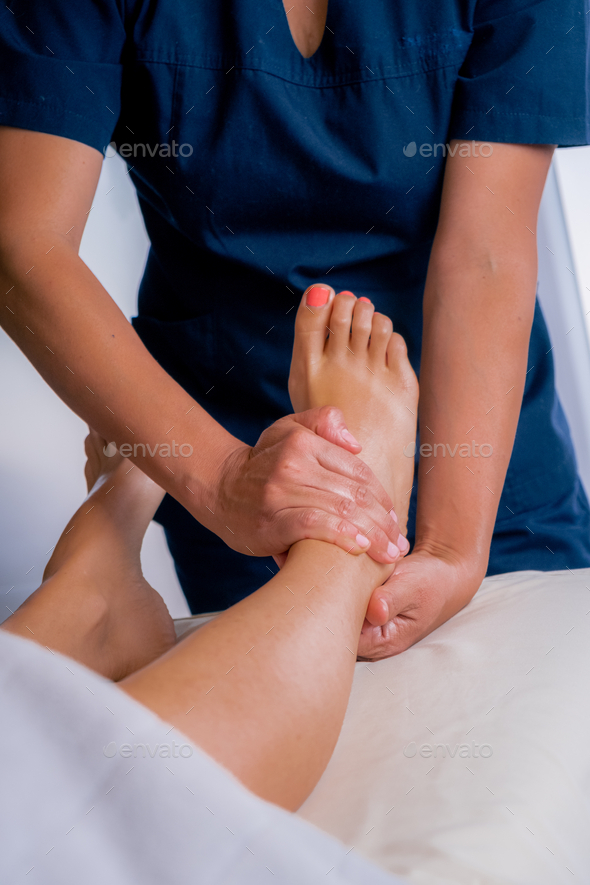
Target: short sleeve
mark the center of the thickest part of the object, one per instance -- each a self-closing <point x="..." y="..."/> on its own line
<point x="60" y="68"/>
<point x="525" y="77"/>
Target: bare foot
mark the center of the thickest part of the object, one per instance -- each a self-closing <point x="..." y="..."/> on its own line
<point x="348" y="356"/>
<point x="96" y="565"/>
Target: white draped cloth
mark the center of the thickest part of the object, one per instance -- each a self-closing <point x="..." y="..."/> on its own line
<point x="96" y="790"/>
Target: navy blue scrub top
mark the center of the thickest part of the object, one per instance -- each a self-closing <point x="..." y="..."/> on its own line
<point x="269" y="171"/>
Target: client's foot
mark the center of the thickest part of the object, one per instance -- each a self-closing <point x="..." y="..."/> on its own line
<point x="96" y="563"/>
<point x="348" y="356"/>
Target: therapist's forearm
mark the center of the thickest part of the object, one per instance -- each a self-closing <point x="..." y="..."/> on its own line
<point x="477" y="321"/>
<point x="84" y="347"/>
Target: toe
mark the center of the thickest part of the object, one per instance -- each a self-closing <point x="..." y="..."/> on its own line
<point x="380" y="334"/>
<point x="362" y="322"/>
<point x="311" y="321"/>
<point x="397" y="353"/>
<point x="340" y="322"/>
<point x="399" y="364"/>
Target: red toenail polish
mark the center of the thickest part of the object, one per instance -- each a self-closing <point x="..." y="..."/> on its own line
<point x="367" y="300"/>
<point x="317" y="296"/>
<point x="346" y="292"/>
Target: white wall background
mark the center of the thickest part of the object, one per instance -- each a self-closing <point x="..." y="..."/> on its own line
<point x="41" y="445"/>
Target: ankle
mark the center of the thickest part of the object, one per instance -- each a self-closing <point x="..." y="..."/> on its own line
<point x="314" y="560"/>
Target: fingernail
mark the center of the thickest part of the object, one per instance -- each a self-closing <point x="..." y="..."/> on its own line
<point x="346" y="292"/>
<point x="392" y="551"/>
<point x="366" y="300"/>
<point x="362" y="541"/>
<point x="347" y="435"/>
<point x="317" y="296"/>
<point x="403" y="544"/>
<point x="393" y="515"/>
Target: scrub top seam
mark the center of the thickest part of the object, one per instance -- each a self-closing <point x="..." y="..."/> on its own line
<point x="519" y="114"/>
<point x="347" y="82"/>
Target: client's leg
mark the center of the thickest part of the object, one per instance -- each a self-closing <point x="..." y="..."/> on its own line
<point x="264" y="687"/>
<point x="94" y="604"/>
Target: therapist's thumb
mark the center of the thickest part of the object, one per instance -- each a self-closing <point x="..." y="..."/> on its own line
<point x="328" y="422"/>
<point x="400" y="593"/>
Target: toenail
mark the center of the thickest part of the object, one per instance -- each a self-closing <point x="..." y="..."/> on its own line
<point x="392" y="551"/>
<point x="367" y="300"/>
<point x="346" y="292"/>
<point x="318" y="296"/>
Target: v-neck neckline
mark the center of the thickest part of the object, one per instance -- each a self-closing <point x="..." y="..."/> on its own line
<point x="305" y="58"/>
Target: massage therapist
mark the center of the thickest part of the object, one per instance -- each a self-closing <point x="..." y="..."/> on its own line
<point x="337" y="144"/>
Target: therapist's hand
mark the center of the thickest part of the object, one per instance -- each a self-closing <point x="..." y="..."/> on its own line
<point x="301" y="480"/>
<point x="425" y="590"/>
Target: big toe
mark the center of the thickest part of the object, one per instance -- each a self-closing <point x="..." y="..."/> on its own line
<point x="311" y="322"/>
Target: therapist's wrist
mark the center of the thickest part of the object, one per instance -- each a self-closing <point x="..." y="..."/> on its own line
<point x="471" y="559"/>
<point x="204" y="475"/>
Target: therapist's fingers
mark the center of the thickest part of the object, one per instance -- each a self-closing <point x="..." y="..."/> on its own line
<point x="424" y="591"/>
<point x="367" y="504"/>
<point x="403" y="611"/>
<point x="335" y="512"/>
<point x="294" y="484"/>
<point x="311" y="523"/>
<point x="328" y="422"/>
<point x="330" y="490"/>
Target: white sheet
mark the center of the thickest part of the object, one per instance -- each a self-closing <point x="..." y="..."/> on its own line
<point x="71" y="815"/>
<point x="511" y="671"/>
